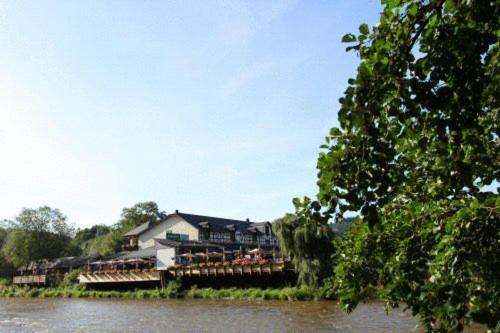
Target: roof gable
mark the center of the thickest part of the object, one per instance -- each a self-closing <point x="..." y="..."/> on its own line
<point x="216" y="224"/>
<point x="139" y="229"/>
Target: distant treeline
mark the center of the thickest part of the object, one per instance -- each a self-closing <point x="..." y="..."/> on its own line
<point x="44" y="233"/>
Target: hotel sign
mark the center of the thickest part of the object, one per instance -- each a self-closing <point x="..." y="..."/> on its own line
<point x="177" y="237"/>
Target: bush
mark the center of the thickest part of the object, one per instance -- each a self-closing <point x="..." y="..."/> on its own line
<point x="70" y="279"/>
<point x="172" y="290"/>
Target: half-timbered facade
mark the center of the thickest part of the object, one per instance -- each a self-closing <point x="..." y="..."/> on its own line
<point x="182" y="226"/>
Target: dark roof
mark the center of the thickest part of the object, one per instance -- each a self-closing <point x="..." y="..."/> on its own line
<point x="72" y="262"/>
<point x="341" y="228"/>
<point x="58" y="263"/>
<point x="261" y="226"/>
<point x="218" y="224"/>
<point x="139" y="229"/>
<point x="113" y="256"/>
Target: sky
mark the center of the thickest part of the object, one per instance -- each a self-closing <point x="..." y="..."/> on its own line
<point x="209" y="107"/>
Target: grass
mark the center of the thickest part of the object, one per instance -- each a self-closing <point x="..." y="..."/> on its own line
<point x="172" y="290"/>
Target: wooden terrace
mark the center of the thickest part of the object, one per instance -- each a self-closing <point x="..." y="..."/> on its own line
<point x="39" y="280"/>
<point x="230" y="269"/>
<point x="117" y="276"/>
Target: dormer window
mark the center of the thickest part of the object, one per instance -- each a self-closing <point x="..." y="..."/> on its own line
<point x="204" y="231"/>
<point x="231" y="230"/>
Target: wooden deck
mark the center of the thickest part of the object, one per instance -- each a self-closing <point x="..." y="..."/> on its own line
<point x="119" y="276"/>
<point x="30" y="279"/>
<point x="231" y="270"/>
<point x="148" y="275"/>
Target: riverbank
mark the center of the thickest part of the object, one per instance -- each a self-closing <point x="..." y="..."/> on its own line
<point x="173" y="290"/>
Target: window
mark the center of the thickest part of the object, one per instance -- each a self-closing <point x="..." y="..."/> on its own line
<point x="205" y="233"/>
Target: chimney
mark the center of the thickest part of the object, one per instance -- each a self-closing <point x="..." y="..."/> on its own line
<point x="176" y="211"/>
<point x="248" y="220"/>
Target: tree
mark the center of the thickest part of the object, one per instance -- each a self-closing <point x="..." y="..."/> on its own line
<point x="6" y="268"/>
<point x="307" y="239"/>
<point x="417" y="144"/>
<point x="85" y="239"/>
<point x="37" y="234"/>
<point x="104" y="241"/>
<point x="140" y="213"/>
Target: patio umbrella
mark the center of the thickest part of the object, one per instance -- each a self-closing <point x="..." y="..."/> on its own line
<point x="135" y="260"/>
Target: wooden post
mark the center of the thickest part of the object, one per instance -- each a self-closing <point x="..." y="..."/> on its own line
<point x="162" y="279"/>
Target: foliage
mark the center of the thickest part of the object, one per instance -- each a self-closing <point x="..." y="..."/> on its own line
<point x="420" y="121"/>
<point x="307" y="239"/>
<point x="418" y="141"/>
<point x="287" y="293"/>
<point x="6" y="267"/>
<point x="86" y="234"/>
<point x="36" y="234"/>
<point x="442" y="260"/>
<point x="103" y="240"/>
<point x="43" y="233"/>
<point x="104" y="244"/>
<point x="172" y="290"/>
<point x="140" y="213"/>
<point x="84" y="238"/>
<point x="69" y="279"/>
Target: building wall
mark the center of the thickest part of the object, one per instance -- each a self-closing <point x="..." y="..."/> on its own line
<point x="178" y="225"/>
<point x="225" y="237"/>
<point x="175" y="224"/>
<point x="165" y="257"/>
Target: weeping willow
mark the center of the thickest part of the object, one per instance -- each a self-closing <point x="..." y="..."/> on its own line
<point x="308" y="242"/>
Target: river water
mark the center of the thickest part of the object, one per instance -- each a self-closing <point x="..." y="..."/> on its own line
<point x="88" y="315"/>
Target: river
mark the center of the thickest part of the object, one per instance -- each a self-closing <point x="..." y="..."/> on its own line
<point x="89" y="315"/>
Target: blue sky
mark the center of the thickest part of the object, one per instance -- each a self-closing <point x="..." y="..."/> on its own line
<point x="209" y="107"/>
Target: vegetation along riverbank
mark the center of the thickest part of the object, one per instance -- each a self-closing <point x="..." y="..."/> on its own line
<point x="172" y="290"/>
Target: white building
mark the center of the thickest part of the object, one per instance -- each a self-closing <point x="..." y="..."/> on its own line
<point x="183" y="227"/>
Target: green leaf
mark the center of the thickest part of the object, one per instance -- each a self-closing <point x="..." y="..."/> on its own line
<point x="412" y="10"/>
<point x="363" y="28"/>
<point x="348" y="38"/>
